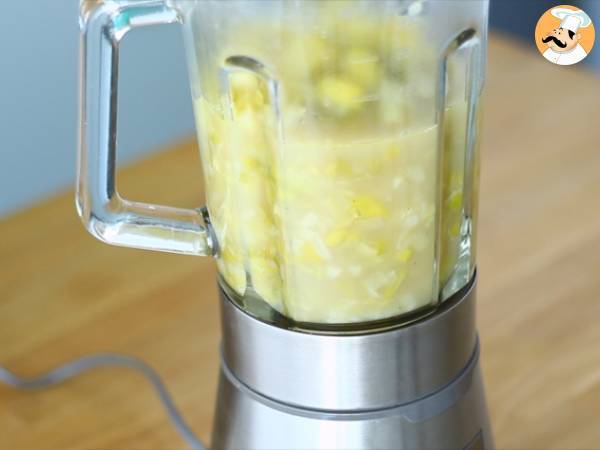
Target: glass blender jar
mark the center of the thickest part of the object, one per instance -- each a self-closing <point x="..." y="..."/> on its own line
<point x="339" y="150"/>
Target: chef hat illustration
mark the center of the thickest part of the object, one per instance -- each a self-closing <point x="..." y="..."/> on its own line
<point x="572" y="19"/>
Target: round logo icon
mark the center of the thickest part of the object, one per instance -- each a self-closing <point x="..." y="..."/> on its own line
<point x="565" y="35"/>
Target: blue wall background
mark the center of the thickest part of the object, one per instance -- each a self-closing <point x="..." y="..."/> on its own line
<point x="39" y="44"/>
<point x="39" y="52"/>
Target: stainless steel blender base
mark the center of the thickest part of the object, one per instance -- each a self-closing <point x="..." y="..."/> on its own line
<point x="454" y="418"/>
<point x="418" y="387"/>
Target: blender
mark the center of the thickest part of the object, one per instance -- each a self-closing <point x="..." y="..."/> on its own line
<point x="339" y="148"/>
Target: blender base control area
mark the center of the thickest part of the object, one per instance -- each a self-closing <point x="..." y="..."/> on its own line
<point x="339" y="146"/>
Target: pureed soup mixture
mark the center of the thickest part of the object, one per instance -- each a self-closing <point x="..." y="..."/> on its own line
<point x="321" y="185"/>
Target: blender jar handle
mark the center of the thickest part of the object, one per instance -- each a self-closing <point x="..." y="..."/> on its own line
<point x="105" y="214"/>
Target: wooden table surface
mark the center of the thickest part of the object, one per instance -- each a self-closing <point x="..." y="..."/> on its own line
<point x="63" y="294"/>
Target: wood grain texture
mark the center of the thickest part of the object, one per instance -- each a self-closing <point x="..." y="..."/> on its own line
<point x="63" y="294"/>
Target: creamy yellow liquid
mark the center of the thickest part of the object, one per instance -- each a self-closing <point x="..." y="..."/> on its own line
<point x="332" y="219"/>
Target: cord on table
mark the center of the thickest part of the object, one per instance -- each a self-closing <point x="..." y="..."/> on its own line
<point x="86" y="363"/>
